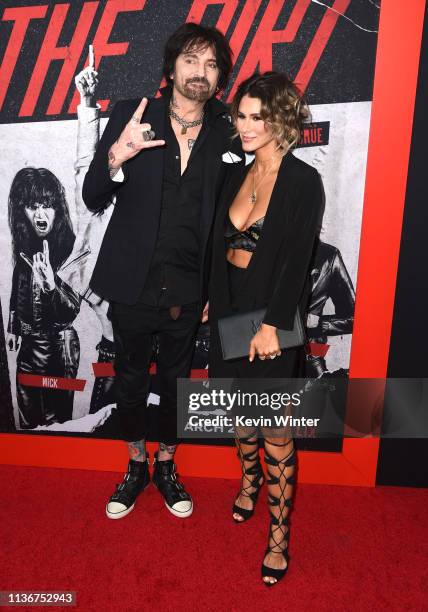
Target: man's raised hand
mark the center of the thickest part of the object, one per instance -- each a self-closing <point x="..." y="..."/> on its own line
<point x="131" y="141"/>
<point x="87" y="81"/>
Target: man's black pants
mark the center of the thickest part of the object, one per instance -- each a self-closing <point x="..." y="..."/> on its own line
<point x="133" y="329"/>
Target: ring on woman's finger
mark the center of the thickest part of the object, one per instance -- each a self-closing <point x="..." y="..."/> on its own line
<point x="272" y="356"/>
<point x="147" y="135"/>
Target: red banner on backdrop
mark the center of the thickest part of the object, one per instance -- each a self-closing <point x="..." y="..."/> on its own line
<point x="107" y="369"/>
<point x="52" y="382"/>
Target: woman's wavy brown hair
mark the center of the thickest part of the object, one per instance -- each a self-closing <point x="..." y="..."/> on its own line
<point x="283" y="107"/>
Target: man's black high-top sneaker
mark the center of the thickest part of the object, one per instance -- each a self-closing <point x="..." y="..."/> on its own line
<point x="135" y="481"/>
<point x="165" y="478"/>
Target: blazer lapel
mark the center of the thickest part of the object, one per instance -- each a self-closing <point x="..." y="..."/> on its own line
<point x="234" y="184"/>
<point x="276" y="212"/>
<point x="229" y="191"/>
<point x="148" y="168"/>
<point x="156" y="116"/>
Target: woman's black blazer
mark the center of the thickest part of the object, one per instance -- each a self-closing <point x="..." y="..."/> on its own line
<point x="278" y="270"/>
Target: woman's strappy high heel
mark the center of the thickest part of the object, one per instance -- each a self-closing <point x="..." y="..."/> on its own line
<point x="252" y="475"/>
<point x="279" y="529"/>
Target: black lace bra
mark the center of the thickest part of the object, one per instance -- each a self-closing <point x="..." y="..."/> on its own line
<point x="243" y="239"/>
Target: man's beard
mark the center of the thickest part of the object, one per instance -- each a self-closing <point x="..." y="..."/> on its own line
<point x="200" y="94"/>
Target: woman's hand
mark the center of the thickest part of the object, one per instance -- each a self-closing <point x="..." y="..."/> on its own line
<point x="265" y="343"/>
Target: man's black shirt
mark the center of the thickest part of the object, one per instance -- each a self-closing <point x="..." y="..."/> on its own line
<point x="173" y="278"/>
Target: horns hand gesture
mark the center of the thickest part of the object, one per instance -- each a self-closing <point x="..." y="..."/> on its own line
<point x="135" y="137"/>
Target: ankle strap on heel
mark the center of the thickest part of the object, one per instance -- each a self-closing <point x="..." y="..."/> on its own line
<point x="290" y="460"/>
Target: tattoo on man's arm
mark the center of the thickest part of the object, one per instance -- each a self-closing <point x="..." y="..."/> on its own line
<point x="113" y="172"/>
<point x="111" y="160"/>
<point x="137" y="450"/>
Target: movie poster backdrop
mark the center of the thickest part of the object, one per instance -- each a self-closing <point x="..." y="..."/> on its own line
<point x="56" y="342"/>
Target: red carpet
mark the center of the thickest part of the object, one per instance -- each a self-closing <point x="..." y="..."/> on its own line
<point x="351" y="548"/>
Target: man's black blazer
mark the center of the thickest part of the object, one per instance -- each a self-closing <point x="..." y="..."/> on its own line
<point x="130" y="239"/>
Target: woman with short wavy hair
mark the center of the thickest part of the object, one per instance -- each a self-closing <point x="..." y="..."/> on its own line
<point x="282" y="107"/>
<point x="268" y="217"/>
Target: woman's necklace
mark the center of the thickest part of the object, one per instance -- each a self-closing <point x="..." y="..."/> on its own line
<point x="253" y="196"/>
<point x="185" y="124"/>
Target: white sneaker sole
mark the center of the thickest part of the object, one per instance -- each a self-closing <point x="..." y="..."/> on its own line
<point x="180" y="514"/>
<point x="119" y="515"/>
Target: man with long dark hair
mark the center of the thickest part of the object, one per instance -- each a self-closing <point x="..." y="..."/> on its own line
<point x="42" y="306"/>
<point x="165" y="169"/>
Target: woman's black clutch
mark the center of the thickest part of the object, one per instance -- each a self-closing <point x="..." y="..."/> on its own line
<point x="236" y="332"/>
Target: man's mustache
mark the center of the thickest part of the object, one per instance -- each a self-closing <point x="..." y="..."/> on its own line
<point x="198" y="80"/>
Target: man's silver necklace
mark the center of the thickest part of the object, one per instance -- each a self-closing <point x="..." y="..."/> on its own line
<point x="185" y="125"/>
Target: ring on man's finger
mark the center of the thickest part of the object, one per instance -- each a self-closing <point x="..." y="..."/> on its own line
<point x="135" y="119"/>
<point x="147" y="135"/>
<point x="272" y="356"/>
